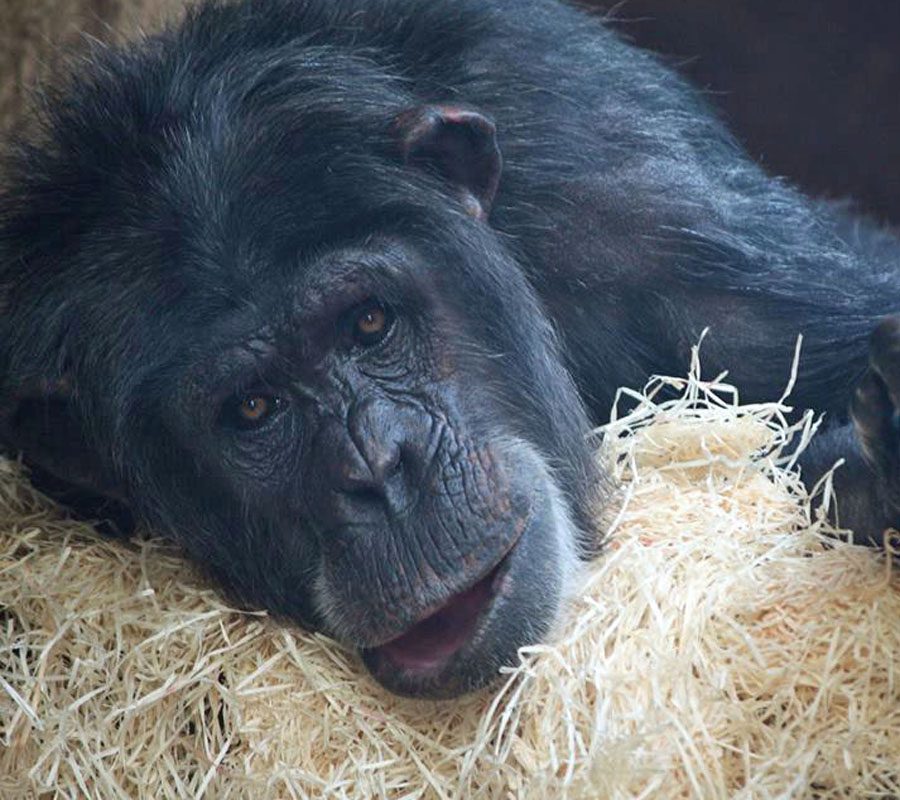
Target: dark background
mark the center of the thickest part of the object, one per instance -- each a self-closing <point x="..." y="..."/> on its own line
<point x="809" y="86"/>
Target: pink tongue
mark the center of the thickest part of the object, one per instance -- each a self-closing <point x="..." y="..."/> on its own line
<point x="433" y="640"/>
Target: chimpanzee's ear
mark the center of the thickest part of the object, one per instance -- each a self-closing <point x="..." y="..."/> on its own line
<point x="460" y="145"/>
<point x="39" y="420"/>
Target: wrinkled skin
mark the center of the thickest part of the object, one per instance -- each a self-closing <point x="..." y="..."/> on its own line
<point x="332" y="293"/>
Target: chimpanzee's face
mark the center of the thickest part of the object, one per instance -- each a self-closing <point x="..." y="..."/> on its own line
<point x="295" y="344"/>
<point x="373" y="466"/>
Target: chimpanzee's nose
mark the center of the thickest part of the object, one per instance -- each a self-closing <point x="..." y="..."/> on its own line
<point x="371" y="464"/>
<point x="378" y="474"/>
<point x="380" y="462"/>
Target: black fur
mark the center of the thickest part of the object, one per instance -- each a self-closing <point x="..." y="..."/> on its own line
<point x="205" y="209"/>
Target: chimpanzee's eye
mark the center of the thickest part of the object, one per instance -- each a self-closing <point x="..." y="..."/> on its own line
<point x="250" y="411"/>
<point x="371" y="323"/>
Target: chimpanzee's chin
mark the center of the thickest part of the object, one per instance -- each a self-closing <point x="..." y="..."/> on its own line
<point x="462" y="645"/>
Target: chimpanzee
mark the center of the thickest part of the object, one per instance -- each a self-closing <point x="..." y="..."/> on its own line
<point x="332" y="292"/>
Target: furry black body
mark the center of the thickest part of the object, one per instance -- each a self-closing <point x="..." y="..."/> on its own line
<point x="208" y="215"/>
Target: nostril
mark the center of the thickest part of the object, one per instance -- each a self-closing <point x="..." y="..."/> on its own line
<point x="366" y="495"/>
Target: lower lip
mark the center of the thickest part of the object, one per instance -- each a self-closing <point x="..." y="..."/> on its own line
<point x="429" y="645"/>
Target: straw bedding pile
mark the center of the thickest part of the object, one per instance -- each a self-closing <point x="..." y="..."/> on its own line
<point x="722" y="647"/>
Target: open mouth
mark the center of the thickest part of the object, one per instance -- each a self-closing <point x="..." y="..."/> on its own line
<point x="433" y="641"/>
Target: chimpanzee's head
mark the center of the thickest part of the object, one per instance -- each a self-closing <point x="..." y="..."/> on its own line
<point x="251" y="288"/>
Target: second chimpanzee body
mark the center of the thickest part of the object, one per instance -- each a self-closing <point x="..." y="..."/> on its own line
<point x="323" y="288"/>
